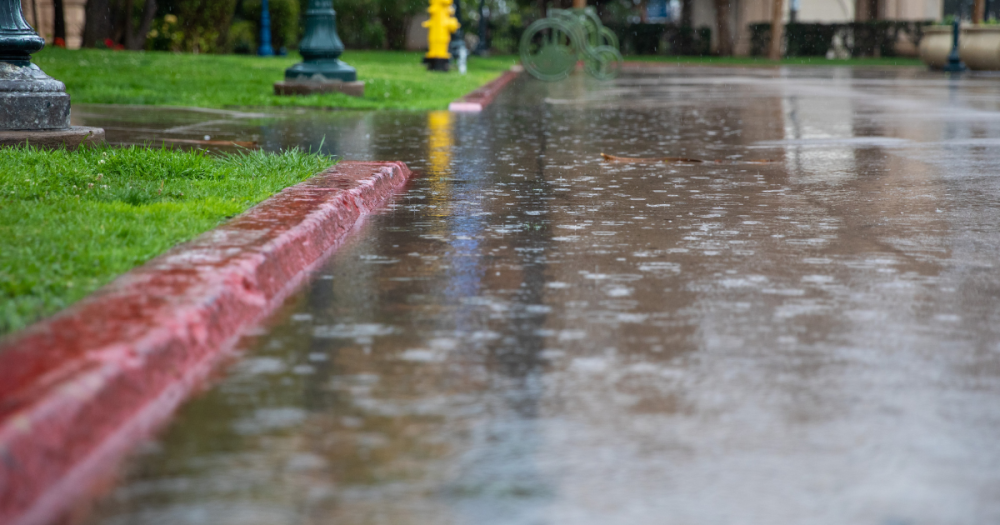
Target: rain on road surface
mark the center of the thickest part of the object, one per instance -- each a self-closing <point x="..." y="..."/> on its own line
<point x="531" y="335"/>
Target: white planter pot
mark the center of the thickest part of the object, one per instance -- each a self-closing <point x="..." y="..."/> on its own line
<point x="980" y="47"/>
<point x="935" y="46"/>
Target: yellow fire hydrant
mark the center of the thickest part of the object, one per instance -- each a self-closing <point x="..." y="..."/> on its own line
<point x="440" y="26"/>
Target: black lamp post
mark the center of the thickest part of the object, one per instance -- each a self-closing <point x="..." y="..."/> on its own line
<point x="34" y="107"/>
<point x="458" y="37"/>
<point x="482" y="48"/>
<point x="955" y="64"/>
<point x="321" y="48"/>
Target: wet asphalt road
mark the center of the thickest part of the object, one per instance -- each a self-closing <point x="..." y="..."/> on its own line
<point x="531" y="335"/>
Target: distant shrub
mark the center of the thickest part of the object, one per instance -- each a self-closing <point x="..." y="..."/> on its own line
<point x="285" y="23"/>
<point x="359" y="25"/>
<point x="195" y="26"/>
<point x="242" y="38"/>
<point x="166" y="34"/>
<point x="859" y="39"/>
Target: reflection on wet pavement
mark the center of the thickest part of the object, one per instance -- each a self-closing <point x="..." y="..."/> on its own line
<point x="530" y="335"/>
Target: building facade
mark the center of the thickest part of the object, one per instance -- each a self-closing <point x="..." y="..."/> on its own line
<point x="41" y="15"/>
<point x="746" y="12"/>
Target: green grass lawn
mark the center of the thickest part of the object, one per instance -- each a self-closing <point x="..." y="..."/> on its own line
<point x="393" y="80"/>
<point x="760" y="61"/>
<point x="72" y="221"/>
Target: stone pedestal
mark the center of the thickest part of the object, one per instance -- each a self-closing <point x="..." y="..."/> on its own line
<point x="321" y="70"/>
<point x="70" y="138"/>
<point x="31" y="100"/>
<point x="34" y="107"/>
<point x="309" y="87"/>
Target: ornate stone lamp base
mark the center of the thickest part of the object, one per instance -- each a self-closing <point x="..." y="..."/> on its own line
<point x="34" y="107"/>
<point x="309" y="87"/>
<point x="321" y="70"/>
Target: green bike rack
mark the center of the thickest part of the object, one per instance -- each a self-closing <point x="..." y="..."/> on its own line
<point x="551" y="47"/>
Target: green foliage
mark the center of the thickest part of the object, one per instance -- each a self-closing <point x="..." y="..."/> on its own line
<point x="505" y="22"/>
<point x="394" y="15"/>
<point x="204" y="24"/>
<point x="233" y="27"/>
<point x="358" y="24"/>
<point x="71" y="221"/>
<point x="393" y="80"/>
<point x="662" y="39"/>
<point x="285" y="21"/>
<point x="165" y="34"/>
<point x="620" y="12"/>
<point x="242" y="38"/>
<point x="376" y="24"/>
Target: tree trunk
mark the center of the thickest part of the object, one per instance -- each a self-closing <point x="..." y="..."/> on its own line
<point x="136" y="40"/>
<point x="98" y="22"/>
<point x="978" y="10"/>
<point x="223" y="39"/>
<point x="34" y="16"/>
<point x="59" y="22"/>
<point x="391" y="15"/>
<point x="777" y="29"/>
<point x="722" y="27"/>
<point x="866" y="10"/>
<point x="129" y="4"/>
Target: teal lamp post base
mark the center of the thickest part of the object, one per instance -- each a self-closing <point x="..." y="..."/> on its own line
<point x="321" y="70"/>
<point x="955" y="64"/>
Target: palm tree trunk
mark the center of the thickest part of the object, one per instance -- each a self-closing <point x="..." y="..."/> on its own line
<point x="722" y="16"/>
<point x="777" y="29"/>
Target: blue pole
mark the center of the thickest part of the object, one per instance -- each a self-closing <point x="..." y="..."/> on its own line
<point x="954" y="64"/>
<point x="265" y="49"/>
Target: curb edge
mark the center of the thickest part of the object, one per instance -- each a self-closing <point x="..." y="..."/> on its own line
<point x="77" y="390"/>
<point x="476" y="100"/>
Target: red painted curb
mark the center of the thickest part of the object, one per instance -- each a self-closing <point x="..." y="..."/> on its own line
<point x="482" y="97"/>
<point x="82" y="387"/>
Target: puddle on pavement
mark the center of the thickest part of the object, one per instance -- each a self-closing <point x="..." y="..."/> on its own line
<point x="530" y="335"/>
